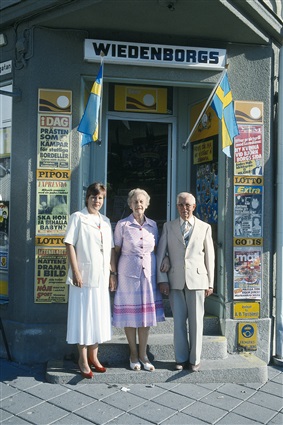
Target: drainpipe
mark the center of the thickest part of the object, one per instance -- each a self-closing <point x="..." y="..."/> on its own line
<point x="278" y="359"/>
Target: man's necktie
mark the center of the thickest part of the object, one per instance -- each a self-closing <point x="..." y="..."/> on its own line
<point x="186" y="232"/>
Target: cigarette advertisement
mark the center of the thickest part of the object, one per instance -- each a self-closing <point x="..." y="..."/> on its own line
<point x="247" y="273"/>
<point x="53" y="195"/>
<point x="248" y="150"/>
<point x="51" y="273"/>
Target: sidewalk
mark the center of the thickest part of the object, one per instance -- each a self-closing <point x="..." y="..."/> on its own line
<point x="27" y="398"/>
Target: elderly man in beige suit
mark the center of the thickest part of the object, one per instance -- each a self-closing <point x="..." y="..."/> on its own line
<point x="187" y="241"/>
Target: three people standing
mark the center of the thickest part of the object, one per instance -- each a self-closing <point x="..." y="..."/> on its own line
<point x="185" y="251"/>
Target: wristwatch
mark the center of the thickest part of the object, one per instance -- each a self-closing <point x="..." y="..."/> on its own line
<point x="114" y="273"/>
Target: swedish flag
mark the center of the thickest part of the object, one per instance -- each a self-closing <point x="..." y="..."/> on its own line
<point x="89" y="124"/>
<point x="222" y="103"/>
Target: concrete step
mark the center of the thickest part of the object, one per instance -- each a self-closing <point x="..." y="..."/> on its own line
<point x="160" y="346"/>
<point x="211" y="326"/>
<point x="235" y="368"/>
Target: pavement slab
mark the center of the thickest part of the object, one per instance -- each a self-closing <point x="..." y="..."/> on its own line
<point x="26" y="397"/>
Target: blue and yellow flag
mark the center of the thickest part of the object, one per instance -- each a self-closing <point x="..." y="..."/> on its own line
<point x="222" y="103"/>
<point x="89" y="124"/>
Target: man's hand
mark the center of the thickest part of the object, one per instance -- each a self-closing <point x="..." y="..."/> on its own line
<point x="165" y="265"/>
<point x="164" y="288"/>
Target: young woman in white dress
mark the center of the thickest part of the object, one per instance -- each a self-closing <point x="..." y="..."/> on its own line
<point x="92" y="272"/>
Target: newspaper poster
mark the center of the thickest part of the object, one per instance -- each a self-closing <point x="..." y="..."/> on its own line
<point x="248" y="148"/>
<point x="53" y="141"/>
<point x="51" y="273"/>
<point x="247" y="273"/>
<point x="53" y="199"/>
<point x="248" y="211"/>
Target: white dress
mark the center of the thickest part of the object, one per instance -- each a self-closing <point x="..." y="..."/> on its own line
<point x="89" y="314"/>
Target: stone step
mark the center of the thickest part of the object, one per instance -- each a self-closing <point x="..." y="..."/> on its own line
<point x="211" y="326"/>
<point x="160" y="346"/>
<point x="235" y="368"/>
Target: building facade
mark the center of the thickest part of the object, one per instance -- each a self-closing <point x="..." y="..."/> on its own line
<point x="162" y="61"/>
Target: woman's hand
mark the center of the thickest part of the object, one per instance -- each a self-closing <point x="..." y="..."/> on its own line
<point x="208" y="292"/>
<point x="77" y="279"/>
<point x="164" y="288"/>
<point x="165" y="265"/>
<point x="112" y="283"/>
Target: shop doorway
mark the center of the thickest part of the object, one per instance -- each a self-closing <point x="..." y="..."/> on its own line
<point x="138" y="154"/>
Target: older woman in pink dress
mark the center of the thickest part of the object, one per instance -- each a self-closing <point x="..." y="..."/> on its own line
<point x="137" y="303"/>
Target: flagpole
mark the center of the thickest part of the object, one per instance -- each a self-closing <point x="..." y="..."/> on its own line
<point x="205" y="107"/>
<point x="101" y="98"/>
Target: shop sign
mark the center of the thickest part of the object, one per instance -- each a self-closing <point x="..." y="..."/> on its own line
<point x="154" y="54"/>
<point x="5" y="68"/>
<point x="245" y="311"/>
<point x="247" y="336"/>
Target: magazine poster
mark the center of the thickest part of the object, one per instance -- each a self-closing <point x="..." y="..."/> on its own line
<point x="53" y="199"/>
<point x="248" y="148"/>
<point x="53" y="141"/>
<point x="248" y="211"/>
<point x="247" y="273"/>
<point x="51" y="274"/>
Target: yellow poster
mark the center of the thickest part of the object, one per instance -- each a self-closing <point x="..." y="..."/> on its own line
<point x="51" y="273"/>
<point x="59" y="101"/>
<point x="203" y="152"/>
<point x="208" y="125"/>
<point x="248" y="112"/>
<point x="140" y="99"/>
<point x="246" y="310"/>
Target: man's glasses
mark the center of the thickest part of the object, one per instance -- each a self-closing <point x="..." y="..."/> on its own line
<point x="185" y="205"/>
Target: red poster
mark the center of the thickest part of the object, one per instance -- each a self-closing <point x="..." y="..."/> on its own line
<point x="248" y="150"/>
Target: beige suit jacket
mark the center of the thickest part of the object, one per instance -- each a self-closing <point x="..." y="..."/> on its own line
<point x="194" y="265"/>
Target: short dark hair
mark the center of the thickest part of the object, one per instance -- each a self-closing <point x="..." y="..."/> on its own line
<point x="95" y="189"/>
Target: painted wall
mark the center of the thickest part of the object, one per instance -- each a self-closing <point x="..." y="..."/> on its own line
<point x="37" y="332"/>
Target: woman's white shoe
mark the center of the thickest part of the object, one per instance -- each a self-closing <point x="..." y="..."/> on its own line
<point x="147" y="365"/>
<point x="135" y="365"/>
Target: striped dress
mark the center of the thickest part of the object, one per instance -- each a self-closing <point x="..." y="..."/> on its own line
<point x="137" y="302"/>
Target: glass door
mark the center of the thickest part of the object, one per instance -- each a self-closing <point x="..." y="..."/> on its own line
<point x="137" y="157"/>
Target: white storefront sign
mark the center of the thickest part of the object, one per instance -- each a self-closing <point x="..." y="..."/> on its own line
<point x="154" y="55"/>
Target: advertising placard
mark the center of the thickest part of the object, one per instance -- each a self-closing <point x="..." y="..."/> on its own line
<point x="53" y="195"/>
<point x="141" y="99"/>
<point x="208" y="125"/>
<point x="248" y="211"/>
<point x="53" y="142"/>
<point x="247" y="273"/>
<point x="248" y="112"/>
<point x="51" y="266"/>
<point x="203" y="152"/>
<point x="248" y="150"/>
